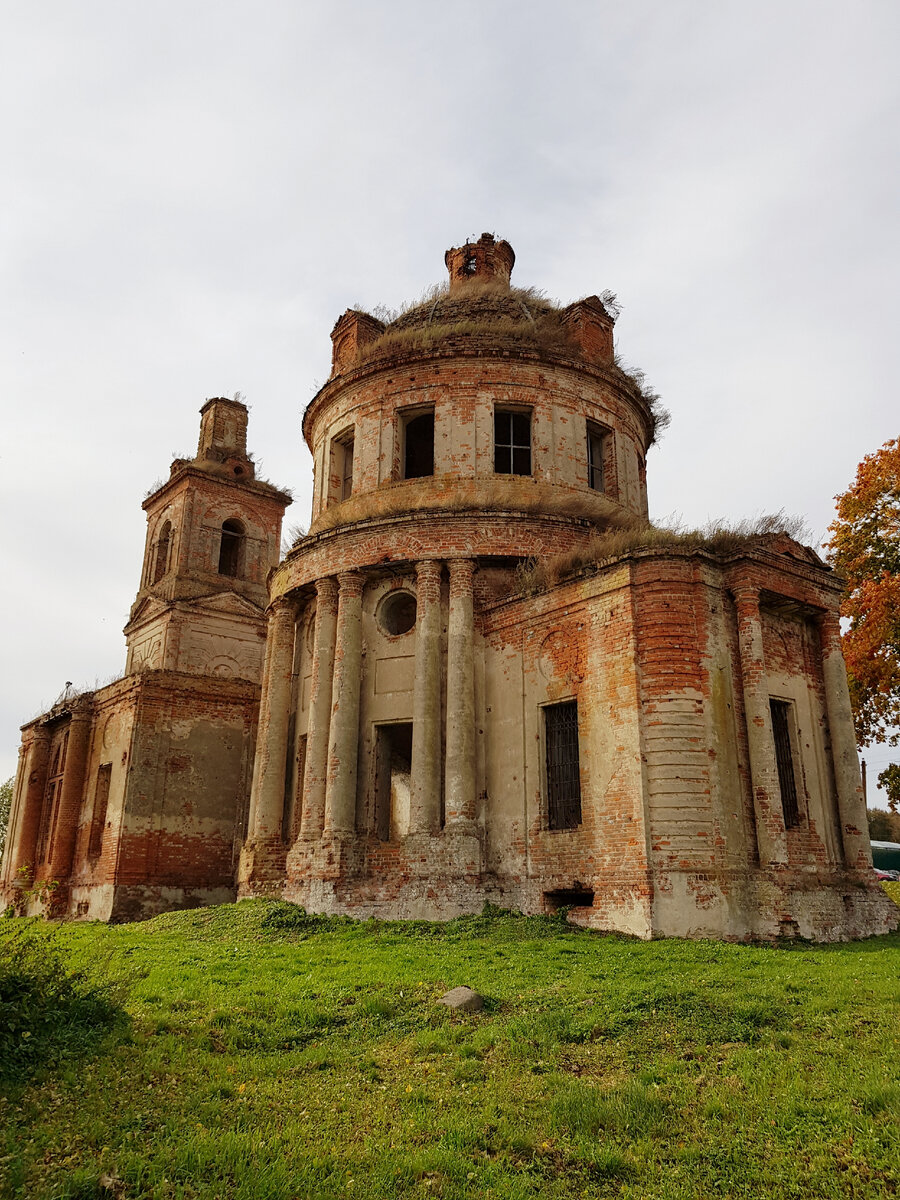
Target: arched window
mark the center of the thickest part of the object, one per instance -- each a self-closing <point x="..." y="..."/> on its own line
<point x="162" y="552"/>
<point x="230" y="549"/>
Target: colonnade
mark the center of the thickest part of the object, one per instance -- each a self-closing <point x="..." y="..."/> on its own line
<point x="330" y="773"/>
<point x="30" y="799"/>
<point x="771" y="835"/>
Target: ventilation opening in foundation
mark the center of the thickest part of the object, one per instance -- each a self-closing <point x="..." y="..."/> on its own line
<point x="393" y="746"/>
<point x="573" y="897"/>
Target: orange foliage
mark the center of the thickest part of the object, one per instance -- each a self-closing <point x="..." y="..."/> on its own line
<point x="865" y="547"/>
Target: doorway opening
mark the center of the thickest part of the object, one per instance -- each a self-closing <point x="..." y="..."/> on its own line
<point x="393" y="756"/>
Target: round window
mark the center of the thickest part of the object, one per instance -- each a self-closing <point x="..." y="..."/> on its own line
<point x="397" y="613"/>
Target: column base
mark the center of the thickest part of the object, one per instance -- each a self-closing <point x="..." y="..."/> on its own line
<point x="338" y="855"/>
<point x="261" y="870"/>
<point x="462" y="849"/>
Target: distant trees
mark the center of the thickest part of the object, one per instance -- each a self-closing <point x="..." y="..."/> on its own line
<point x="6" y="791"/>
<point x="883" y="826"/>
<point x="865" y="548"/>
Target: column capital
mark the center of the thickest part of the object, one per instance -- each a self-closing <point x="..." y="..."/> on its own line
<point x="351" y="583"/>
<point x="327" y="588"/>
<point x="83" y="713"/>
<point x="281" y="605"/>
<point x="462" y="571"/>
<point x="829" y="624"/>
<point x="746" y="595"/>
<point x="428" y="569"/>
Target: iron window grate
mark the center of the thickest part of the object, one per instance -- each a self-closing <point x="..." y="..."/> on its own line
<point x="563" y="771"/>
<point x="784" y="756"/>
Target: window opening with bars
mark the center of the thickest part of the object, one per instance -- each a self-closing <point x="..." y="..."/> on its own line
<point x="340" y="478"/>
<point x="347" y="470"/>
<point x="784" y="756"/>
<point x="563" y="770"/>
<point x="512" y="443"/>
<point x="597" y="445"/>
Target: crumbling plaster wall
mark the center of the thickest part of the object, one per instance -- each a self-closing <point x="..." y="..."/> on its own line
<point x="186" y="792"/>
<point x="464" y="393"/>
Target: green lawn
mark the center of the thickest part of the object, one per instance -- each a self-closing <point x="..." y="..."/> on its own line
<point x="270" y="1056"/>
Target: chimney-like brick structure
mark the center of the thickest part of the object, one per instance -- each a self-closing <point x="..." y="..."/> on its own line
<point x="486" y="260"/>
<point x="591" y="328"/>
<point x="351" y="332"/>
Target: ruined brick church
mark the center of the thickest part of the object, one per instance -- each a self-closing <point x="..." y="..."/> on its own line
<point x="471" y="680"/>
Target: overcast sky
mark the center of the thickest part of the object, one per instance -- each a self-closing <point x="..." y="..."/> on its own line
<point x="193" y="192"/>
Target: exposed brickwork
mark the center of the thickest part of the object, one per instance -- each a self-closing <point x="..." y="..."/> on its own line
<point x="148" y="806"/>
<point x="405" y="765"/>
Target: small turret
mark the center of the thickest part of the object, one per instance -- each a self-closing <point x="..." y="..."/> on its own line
<point x="223" y="437"/>
<point x="486" y="260"/>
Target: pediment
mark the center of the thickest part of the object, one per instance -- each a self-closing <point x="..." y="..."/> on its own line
<point x="229" y="603"/>
<point x="783" y="543"/>
<point x="146" y="610"/>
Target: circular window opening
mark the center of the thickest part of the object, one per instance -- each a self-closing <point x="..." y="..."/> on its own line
<point x="397" y="613"/>
<point x="238" y="470"/>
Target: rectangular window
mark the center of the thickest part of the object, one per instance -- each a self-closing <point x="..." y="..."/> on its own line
<point x="49" y="809"/>
<point x="784" y="756"/>
<point x="418" y="445"/>
<point x="292" y="811"/>
<point x="341" y="478"/>
<point x="101" y="803"/>
<point x="599" y="448"/>
<point x="563" y="771"/>
<point x="512" y="442"/>
<point x="347" y="475"/>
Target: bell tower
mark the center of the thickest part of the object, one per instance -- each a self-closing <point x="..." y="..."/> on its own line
<point x="213" y="533"/>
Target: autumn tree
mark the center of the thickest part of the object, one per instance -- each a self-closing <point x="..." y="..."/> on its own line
<point x="865" y="548"/>
<point x="889" y="780"/>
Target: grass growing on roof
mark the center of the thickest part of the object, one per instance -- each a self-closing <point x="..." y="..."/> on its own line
<point x="273" y="1054"/>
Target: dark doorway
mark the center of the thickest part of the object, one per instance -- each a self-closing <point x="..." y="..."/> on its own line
<point x="393" y="757"/>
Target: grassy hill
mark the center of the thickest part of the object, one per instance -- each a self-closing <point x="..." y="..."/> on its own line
<point x="268" y="1055"/>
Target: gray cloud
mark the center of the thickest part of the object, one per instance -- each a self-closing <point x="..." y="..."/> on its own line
<point x="192" y="194"/>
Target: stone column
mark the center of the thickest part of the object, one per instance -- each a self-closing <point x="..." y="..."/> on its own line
<point x="186" y="535"/>
<point x="25" y="822"/>
<point x="65" y="828"/>
<point x="312" y="816"/>
<point x="851" y="804"/>
<point x="267" y="791"/>
<point x="343" y="738"/>
<point x="425" y="774"/>
<point x="460" y="749"/>
<point x="770" y="832"/>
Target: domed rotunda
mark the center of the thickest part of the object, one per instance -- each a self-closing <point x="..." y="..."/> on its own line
<point x="482" y="683"/>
